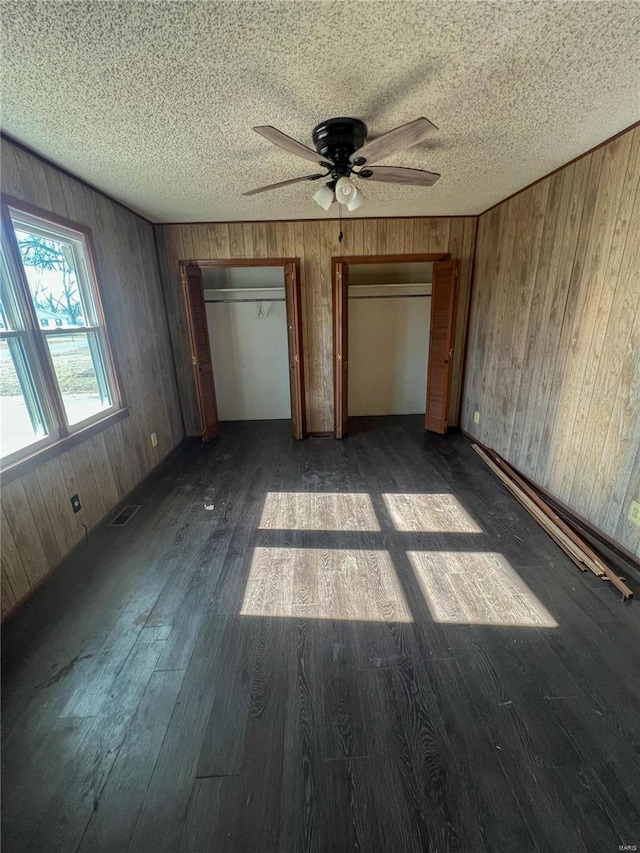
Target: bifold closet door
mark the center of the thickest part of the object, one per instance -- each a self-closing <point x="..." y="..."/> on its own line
<point x="341" y="348"/>
<point x="444" y="290"/>
<point x="200" y="351"/>
<point x="294" y="333"/>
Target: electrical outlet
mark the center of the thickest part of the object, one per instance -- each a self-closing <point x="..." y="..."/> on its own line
<point x="476" y="417"/>
<point x="634" y="512"/>
<point x="75" y="503"/>
<point x="154" y="440"/>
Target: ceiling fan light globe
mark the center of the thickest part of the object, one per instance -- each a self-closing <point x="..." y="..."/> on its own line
<point x="356" y="201"/>
<point x="345" y="190"/>
<point x="324" y="197"/>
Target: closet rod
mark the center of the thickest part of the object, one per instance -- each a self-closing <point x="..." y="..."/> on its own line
<point x="393" y="296"/>
<point x="242" y="289"/>
<point x="211" y="301"/>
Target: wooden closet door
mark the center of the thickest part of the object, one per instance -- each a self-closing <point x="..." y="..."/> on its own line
<point x="294" y="333"/>
<point x="200" y="351"/>
<point x="444" y="291"/>
<point x="341" y="348"/>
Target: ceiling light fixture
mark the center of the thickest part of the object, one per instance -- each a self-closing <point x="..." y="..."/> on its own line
<point x="356" y="200"/>
<point x="345" y="190"/>
<point x="324" y="196"/>
<point x="342" y="190"/>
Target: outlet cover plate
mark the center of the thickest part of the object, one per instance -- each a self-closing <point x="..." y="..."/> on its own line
<point x="634" y="512"/>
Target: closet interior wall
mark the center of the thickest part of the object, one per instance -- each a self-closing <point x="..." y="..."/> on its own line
<point x="247" y="320"/>
<point x="389" y="315"/>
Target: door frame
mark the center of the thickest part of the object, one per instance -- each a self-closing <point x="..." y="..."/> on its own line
<point x="444" y="291"/>
<point x="341" y="317"/>
<point x="293" y="305"/>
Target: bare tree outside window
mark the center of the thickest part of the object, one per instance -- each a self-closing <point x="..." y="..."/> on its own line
<point x="54" y="296"/>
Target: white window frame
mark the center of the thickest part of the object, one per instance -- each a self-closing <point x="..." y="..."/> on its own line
<point x="34" y="338"/>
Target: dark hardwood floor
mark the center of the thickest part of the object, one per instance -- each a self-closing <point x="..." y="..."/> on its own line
<point x="322" y="646"/>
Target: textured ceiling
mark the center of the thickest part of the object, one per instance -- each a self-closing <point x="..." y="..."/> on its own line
<point x="153" y="102"/>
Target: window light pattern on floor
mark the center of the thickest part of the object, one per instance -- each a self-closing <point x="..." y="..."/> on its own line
<point x="477" y="588"/>
<point x="315" y="583"/>
<point x="432" y="513"/>
<point x="362" y="583"/>
<point x="318" y="511"/>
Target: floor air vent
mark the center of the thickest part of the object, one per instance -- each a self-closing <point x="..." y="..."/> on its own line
<point x="124" y="516"/>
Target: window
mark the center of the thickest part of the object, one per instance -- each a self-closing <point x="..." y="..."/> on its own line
<point x="56" y="371"/>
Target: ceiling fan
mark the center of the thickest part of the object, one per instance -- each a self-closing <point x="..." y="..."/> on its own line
<point x="342" y="150"/>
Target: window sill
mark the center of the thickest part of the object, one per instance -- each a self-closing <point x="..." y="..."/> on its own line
<point x="29" y="463"/>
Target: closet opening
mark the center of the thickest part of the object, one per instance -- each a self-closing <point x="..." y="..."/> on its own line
<point x="394" y="319"/>
<point x="246" y="341"/>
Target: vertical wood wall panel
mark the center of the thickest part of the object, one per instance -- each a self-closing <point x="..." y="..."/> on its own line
<point x="314" y="242"/>
<point x="15" y="582"/>
<point x="39" y="527"/>
<point x="554" y="340"/>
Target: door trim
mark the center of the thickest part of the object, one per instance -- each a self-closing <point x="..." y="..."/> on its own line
<point x="245" y="262"/>
<point x="204" y="384"/>
<point x="424" y="257"/>
<point x="293" y="299"/>
<point x="340" y="302"/>
<point x="444" y="291"/>
<point x="341" y="318"/>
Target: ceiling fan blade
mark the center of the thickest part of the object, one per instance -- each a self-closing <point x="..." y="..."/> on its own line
<point x="284" y="184"/>
<point x="400" y="175"/>
<point x="291" y="145"/>
<point x="394" y="140"/>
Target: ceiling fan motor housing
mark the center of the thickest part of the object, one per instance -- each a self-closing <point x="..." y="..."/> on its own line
<point x="336" y="139"/>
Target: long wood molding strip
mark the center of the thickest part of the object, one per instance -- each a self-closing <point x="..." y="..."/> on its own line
<point x="572" y="544"/>
<point x="538" y="496"/>
<point x="336" y="222"/>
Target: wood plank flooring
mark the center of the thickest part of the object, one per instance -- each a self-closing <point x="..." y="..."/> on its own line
<point x="322" y="646"/>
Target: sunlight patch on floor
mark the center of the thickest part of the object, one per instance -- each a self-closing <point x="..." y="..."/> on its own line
<point x="316" y="583"/>
<point x="477" y="588"/>
<point x="318" y="511"/>
<point x="431" y="513"/>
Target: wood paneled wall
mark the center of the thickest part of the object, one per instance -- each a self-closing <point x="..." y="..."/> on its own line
<point x="554" y="341"/>
<point x="38" y="524"/>
<point x="314" y="242"/>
